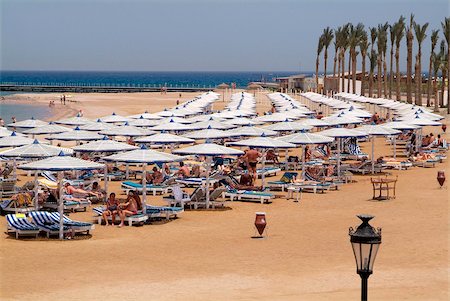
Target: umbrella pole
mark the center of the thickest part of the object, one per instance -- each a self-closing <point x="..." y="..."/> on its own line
<point x="36" y="190"/>
<point x="286" y="155"/>
<point x="339" y="158"/>
<point x="61" y="205"/>
<point x="263" y="169"/>
<point x="127" y="171"/>
<point x="208" y="171"/>
<point x="105" y="179"/>
<point x="373" y="161"/>
<point x="395" y="151"/>
<point x="144" y="189"/>
<point x="303" y="161"/>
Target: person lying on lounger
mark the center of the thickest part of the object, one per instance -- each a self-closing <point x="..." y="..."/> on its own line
<point x="156" y="177"/>
<point x="112" y="207"/>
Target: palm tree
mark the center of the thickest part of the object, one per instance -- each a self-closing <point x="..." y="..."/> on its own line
<point x="392" y="29"/>
<point x="363" y="47"/>
<point x="420" y="37"/>
<point x="444" y="70"/>
<point x="344" y="46"/>
<point x="399" y="33"/>
<point x="373" y="58"/>
<point x="436" y="60"/>
<point x="381" y="45"/>
<point x="446" y="30"/>
<point x="337" y="34"/>
<point x="351" y="31"/>
<point x="385" y="29"/>
<point x="434" y="40"/>
<point x="355" y="38"/>
<point x="319" y="50"/>
<point x="327" y="37"/>
<point x="409" y="45"/>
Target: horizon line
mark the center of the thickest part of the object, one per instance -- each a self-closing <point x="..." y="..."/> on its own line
<point x="168" y="71"/>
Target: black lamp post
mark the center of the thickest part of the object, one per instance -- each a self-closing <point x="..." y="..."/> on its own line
<point x="365" y="242"/>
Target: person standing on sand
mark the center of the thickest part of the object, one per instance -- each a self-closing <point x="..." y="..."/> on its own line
<point x="251" y="157"/>
<point x="61" y="99"/>
<point x="64" y="99"/>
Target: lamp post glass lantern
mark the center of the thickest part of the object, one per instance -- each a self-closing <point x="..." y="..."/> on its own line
<point x="365" y="242"/>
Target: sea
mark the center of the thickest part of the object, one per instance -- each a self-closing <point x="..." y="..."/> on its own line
<point x="121" y="78"/>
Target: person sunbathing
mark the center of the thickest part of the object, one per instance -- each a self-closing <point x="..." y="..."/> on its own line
<point x="70" y="190"/>
<point x="112" y="207"/>
<point x="422" y="157"/>
<point x="99" y="193"/>
<point x="130" y="207"/>
<point x="271" y="156"/>
<point x="246" y="183"/>
<point x="183" y="172"/>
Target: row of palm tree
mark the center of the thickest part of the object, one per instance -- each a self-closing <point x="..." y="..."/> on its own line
<point x="353" y="42"/>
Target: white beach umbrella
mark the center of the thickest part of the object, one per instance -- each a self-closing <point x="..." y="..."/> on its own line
<point x="200" y="118"/>
<point x="341" y="120"/>
<point x="14" y="140"/>
<point x="275" y="117"/>
<point x="252" y="131"/>
<point x="144" y="156"/>
<point x="171" y="125"/>
<point x="75" y="121"/>
<point x="209" y="150"/>
<point x="28" y="123"/>
<point x="36" y="150"/>
<point x="422" y="121"/>
<point x="377" y="130"/>
<point x="127" y="131"/>
<point x="314" y="122"/>
<point x="59" y="164"/>
<point x="243" y="121"/>
<point x="114" y="118"/>
<point x="264" y="143"/>
<point x="104" y="145"/>
<point x="358" y="113"/>
<point x="4" y="132"/>
<point x="287" y="126"/>
<point x="142" y="122"/>
<point x="167" y="113"/>
<point x="208" y="133"/>
<point x="213" y="125"/>
<point x="97" y="126"/>
<point x="76" y="135"/>
<point x="146" y="115"/>
<point x="304" y="139"/>
<point x="164" y="138"/>
<point x="342" y="133"/>
<point x="50" y="128"/>
<point x="400" y="125"/>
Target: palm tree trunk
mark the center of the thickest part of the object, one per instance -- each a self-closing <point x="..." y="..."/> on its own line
<point x="317" y="74"/>
<point x="354" y="72"/>
<point x="339" y="72"/>
<point x="379" y="76"/>
<point x="349" y="70"/>
<point x="409" y="69"/>
<point x="335" y="61"/>
<point x="416" y="81"/>
<point x="370" y="83"/>
<point x="343" y="71"/>
<point x="391" y="74"/>
<point x="429" y="80"/>
<point x="363" y="77"/>
<point x="435" y="93"/>
<point x="397" y="76"/>
<point x="419" y="75"/>
<point x="448" y="76"/>
<point x="325" y="59"/>
<point x="444" y="75"/>
<point x="385" y="76"/>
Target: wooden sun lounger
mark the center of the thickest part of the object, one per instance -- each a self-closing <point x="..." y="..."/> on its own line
<point x="130" y="220"/>
<point x="153" y="189"/>
<point x="246" y="195"/>
<point x="19" y="225"/>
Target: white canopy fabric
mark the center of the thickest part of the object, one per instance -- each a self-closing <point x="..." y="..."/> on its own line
<point x="114" y="118"/>
<point x="209" y="134"/>
<point x="28" y="123"/>
<point x="243" y="121"/>
<point x="61" y="163"/>
<point x="342" y="133"/>
<point x="14" y="140"/>
<point x="172" y="126"/>
<point x="50" y="128"/>
<point x="36" y="150"/>
<point x="275" y="117"/>
<point x="97" y="126"/>
<point x="400" y="125"/>
<point x="213" y="125"/>
<point x="288" y="126"/>
<point x="76" y="135"/>
<point x="146" y="115"/>
<point x="164" y="138"/>
<point x="127" y="131"/>
<point x="377" y="130"/>
<point x="422" y="121"/>
<point x="142" y="122"/>
<point x="208" y="149"/>
<point x="75" y="121"/>
<point x="104" y="145"/>
<point x="306" y="138"/>
<point x="252" y="131"/>
<point x="263" y="142"/>
<point x="314" y="122"/>
<point x="143" y="155"/>
<point x="4" y="132"/>
<point x="342" y="119"/>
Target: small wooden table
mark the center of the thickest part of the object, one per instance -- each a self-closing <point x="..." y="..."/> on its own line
<point x="383" y="184"/>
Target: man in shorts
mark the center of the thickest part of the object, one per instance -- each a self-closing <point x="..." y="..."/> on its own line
<point x="251" y="157"/>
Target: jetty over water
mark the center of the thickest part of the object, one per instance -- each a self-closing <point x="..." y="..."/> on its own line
<point x="99" y="88"/>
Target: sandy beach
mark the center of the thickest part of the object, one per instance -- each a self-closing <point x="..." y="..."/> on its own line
<point x="210" y="255"/>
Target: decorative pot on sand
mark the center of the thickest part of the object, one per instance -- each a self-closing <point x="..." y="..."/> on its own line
<point x="260" y="222"/>
<point x="441" y="177"/>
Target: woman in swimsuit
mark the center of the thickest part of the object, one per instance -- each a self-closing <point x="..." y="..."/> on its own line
<point x="128" y="208"/>
<point x="112" y="207"/>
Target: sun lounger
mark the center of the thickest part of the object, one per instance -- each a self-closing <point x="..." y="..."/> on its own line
<point x="214" y="197"/>
<point x="20" y="225"/>
<point x="365" y="168"/>
<point x="132" y="219"/>
<point x="287" y="178"/>
<point x="7" y="188"/>
<point x="179" y="198"/>
<point x="163" y="211"/>
<point x="247" y="195"/>
<point x="195" y="182"/>
<point x="45" y="224"/>
<point x="12" y="206"/>
<point x="399" y="165"/>
<point x="426" y="163"/>
<point x="68" y="205"/>
<point x="268" y="171"/>
<point x="154" y="189"/>
<point x="75" y="225"/>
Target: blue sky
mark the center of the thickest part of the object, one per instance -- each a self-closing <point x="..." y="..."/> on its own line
<point x="189" y="35"/>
